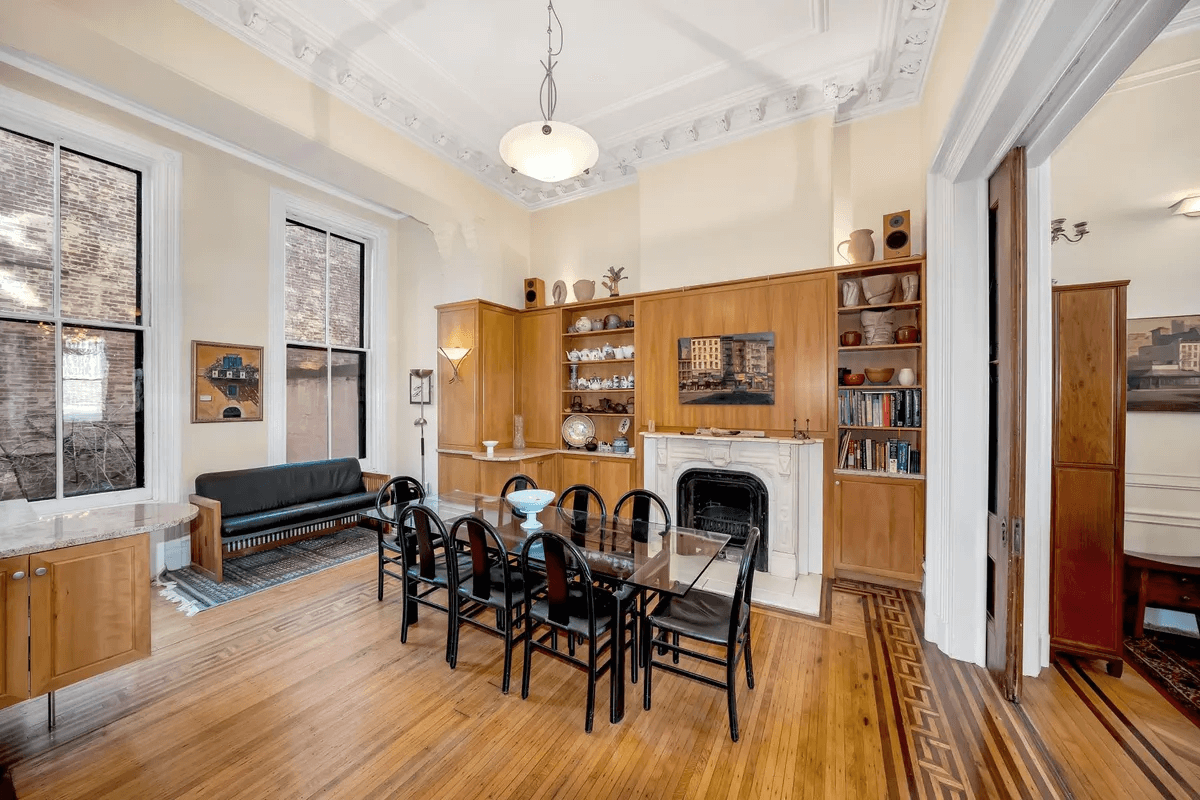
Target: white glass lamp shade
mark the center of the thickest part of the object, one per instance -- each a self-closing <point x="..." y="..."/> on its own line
<point x="1188" y="206"/>
<point x="551" y="157"/>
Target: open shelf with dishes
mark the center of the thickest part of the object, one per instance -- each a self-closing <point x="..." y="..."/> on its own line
<point x="597" y="377"/>
<point x="879" y="404"/>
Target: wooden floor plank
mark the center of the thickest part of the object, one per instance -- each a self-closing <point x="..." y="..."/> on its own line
<point x="306" y="691"/>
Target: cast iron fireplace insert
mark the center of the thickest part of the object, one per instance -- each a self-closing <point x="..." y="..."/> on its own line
<point x="725" y="501"/>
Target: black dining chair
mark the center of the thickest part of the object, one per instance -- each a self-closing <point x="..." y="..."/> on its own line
<point x="568" y="602"/>
<point x="706" y="617"/>
<point x="427" y="568"/>
<point x="390" y="500"/>
<point x="492" y="583"/>
<point x="578" y="504"/>
<point x="641" y="504"/>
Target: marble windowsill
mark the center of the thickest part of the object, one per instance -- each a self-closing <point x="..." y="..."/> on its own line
<point x="82" y="527"/>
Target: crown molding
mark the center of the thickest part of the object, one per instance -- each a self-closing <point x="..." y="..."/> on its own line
<point x="889" y="78"/>
<point x="61" y="77"/>
<point x="1186" y="20"/>
<point x="1154" y="76"/>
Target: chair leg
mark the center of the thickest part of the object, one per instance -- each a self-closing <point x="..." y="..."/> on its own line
<point x="529" y="628"/>
<point x="381" y="567"/>
<point x="648" y="665"/>
<point x="731" y="691"/>
<point x="675" y="653"/>
<point x="404" y="614"/>
<point x="508" y="645"/>
<point x="591" y="687"/>
<point x="634" y="644"/>
<point x="749" y="662"/>
<point x="452" y="627"/>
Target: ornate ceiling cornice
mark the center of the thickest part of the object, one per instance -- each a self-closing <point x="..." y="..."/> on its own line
<point x="892" y="78"/>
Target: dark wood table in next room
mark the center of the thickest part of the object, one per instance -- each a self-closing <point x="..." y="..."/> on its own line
<point x="1162" y="582"/>
<point x="643" y="555"/>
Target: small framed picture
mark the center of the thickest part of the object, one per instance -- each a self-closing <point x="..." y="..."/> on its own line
<point x="420" y="390"/>
<point x="226" y="382"/>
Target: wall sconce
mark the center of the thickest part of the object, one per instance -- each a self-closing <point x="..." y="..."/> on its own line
<point x="1058" y="231"/>
<point x="1188" y="206"/>
<point x="455" y="356"/>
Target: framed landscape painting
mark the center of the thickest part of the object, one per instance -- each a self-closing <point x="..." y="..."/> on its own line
<point x="226" y="382"/>
<point x="728" y="370"/>
<point x="1163" y="364"/>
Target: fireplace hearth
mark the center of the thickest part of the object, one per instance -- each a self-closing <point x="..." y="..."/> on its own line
<point x="725" y="501"/>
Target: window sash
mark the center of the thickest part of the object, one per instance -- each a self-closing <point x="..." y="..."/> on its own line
<point x="60" y="321"/>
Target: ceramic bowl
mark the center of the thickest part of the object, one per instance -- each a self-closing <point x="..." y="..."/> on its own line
<point x="529" y="502"/>
<point x="879" y="375"/>
<point x="854" y="379"/>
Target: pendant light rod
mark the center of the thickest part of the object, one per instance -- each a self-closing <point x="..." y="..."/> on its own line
<point x="548" y="92"/>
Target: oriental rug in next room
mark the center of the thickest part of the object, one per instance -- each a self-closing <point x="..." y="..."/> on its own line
<point x="1171" y="663"/>
<point x="253" y="573"/>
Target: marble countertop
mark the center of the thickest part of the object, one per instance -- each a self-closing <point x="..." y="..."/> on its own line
<point x="510" y="454"/>
<point x="710" y="437"/>
<point x="81" y="527"/>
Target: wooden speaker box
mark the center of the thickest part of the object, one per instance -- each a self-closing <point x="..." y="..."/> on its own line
<point x="535" y="293"/>
<point x="897" y="235"/>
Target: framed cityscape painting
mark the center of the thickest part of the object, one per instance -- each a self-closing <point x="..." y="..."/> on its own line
<point x="1163" y="364"/>
<point x="729" y="370"/>
<point x="226" y="382"/>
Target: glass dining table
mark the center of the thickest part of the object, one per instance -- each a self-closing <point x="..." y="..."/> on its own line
<point x="647" y="556"/>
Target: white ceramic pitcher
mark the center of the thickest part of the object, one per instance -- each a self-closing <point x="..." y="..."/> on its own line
<point x="860" y="245"/>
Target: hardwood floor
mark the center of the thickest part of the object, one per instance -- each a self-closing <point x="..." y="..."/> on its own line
<point x="305" y="691"/>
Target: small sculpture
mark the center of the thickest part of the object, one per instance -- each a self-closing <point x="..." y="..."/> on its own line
<point x="614" y="277"/>
<point x="850" y="293"/>
<point x="878" y="326"/>
<point x="560" y="292"/>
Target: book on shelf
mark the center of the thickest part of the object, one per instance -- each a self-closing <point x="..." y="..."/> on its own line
<point x="888" y="456"/>
<point x="880" y="408"/>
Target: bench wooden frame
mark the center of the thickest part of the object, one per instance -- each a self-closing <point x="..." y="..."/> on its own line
<point x="209" y="551"/>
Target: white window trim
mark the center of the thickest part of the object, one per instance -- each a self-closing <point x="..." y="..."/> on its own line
<point x="285" y="206"/>
<point x="165" y="384"/>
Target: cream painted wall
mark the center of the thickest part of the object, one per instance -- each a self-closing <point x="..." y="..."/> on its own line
<point x="1135" y="154"/>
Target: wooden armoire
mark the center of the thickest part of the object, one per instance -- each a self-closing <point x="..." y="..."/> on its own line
<point x="1088" y="493"/>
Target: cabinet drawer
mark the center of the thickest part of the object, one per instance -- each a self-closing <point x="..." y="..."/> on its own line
<point x="1167" y="588"/>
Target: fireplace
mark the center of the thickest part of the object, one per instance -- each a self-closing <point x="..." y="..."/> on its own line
<point x="725" y="501"/>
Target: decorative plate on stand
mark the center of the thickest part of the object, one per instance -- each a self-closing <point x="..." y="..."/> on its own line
<point x="577" y="429"/>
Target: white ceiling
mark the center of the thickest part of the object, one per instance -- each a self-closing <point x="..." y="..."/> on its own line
<point x="650" y="79"/>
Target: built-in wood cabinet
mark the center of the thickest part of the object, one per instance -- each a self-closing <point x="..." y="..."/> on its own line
<point x="879" y="487"/>
<point x="73" y="613"/>
<point x="479" y="404"/>
<point x="610" y="476"/>
<point x="880" y="524"/>
<point x="1088" y="486"/>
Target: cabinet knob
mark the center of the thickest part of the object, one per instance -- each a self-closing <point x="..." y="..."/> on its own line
<point x="1186" y="598"/>
<point x="40" y="571"/>
<point x="18" y="575"/>
<point x="837" y="483"/>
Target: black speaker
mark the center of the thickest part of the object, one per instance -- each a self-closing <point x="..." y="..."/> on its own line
<point x="535" y="293"/>
<point x="897" y="236"/>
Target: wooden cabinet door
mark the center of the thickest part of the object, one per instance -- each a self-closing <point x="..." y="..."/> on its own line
<point x="457" y="472"/>
<point x="493" y="474"/>
<point x="1085" y="565"/>
<point x="539" y="372"/>
<point x="614" y="477"/>
<point x="544" y="471"/>
<point x="576" y="469"/>
<point x="14" y="593"/>
<point x="89" y="610"/>
<point x="879" y="526"/>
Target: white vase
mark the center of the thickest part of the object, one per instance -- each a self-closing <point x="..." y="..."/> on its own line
<point x="907" y="377"/>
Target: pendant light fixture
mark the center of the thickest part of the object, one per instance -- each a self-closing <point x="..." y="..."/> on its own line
<point x="547" y="150"/>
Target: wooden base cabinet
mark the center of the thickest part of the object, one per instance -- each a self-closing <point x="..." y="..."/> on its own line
<point x="1087" y="513"/>
<point x="73" y="613"/>
<point x="612" y="477"/>
<point x="880" y="528"/>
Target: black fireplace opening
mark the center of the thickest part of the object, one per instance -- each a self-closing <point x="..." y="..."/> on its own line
<point x="724" y="501"/>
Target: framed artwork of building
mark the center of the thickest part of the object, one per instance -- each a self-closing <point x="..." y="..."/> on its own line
<point x="728" y="370"/>
<point x="1163" y="359"/>
<point x="226" y="382"/>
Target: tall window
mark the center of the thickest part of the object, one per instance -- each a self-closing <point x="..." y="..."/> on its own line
<point x="71" y="322"/>
<point x="326" y="346"/>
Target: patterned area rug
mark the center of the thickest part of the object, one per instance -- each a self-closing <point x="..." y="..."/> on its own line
<point x="253" y="573"/>
<point x="1172" y="663"/>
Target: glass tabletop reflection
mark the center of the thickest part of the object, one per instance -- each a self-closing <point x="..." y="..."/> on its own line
<point x="645" y="555"/>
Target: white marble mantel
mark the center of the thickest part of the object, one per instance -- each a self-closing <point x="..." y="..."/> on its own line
<point x="791" y="469"/>
<point x="80" y="527"/>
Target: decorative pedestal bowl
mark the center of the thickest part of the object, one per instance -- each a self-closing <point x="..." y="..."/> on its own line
<point x="529" y="502"/>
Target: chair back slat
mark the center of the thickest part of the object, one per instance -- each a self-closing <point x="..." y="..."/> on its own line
<point x="642" y="502"/>
<point x="397" y="493"/>
<point x="577" y="503"/>
<point x="430" y="534"/>
<point x="487" y="548"/>
<point x="744" y="588"/>
<point x="565" y="569"/>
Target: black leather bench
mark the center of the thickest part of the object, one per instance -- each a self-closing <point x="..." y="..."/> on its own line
<point x="247" y="510"/>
